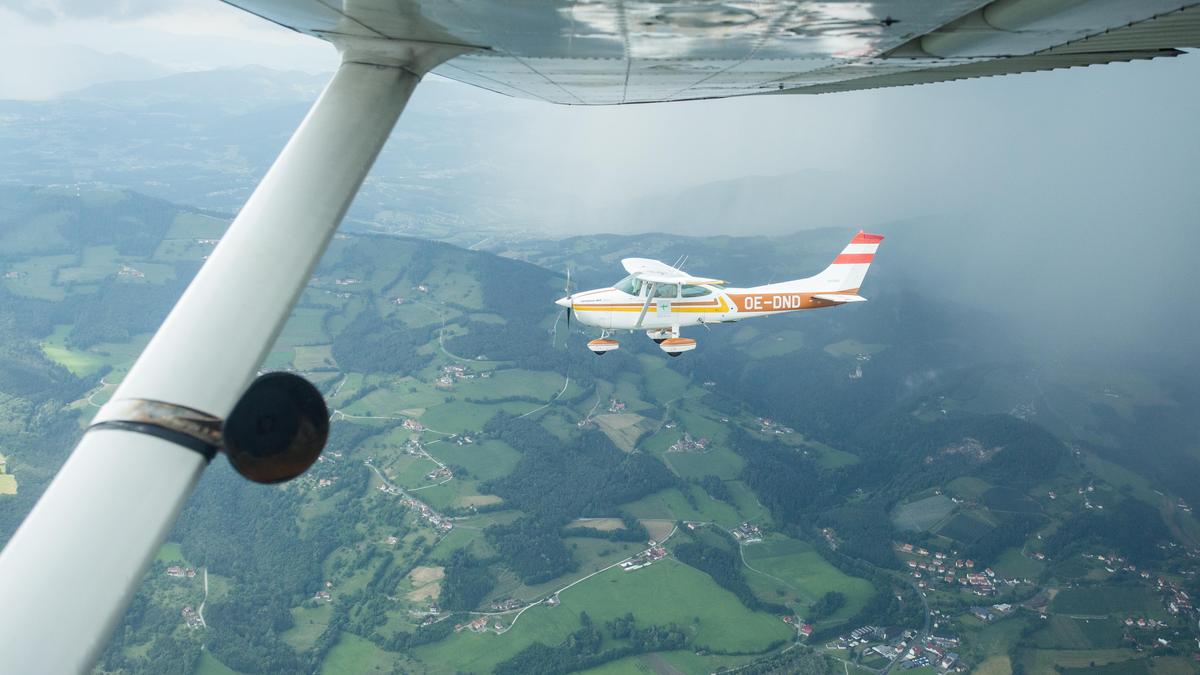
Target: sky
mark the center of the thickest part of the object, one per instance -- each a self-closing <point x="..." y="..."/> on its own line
<point x="55" y="44"/>
<point x="1068" y="189"/>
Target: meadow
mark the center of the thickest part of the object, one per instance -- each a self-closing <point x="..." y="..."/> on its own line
<point x="923" y="514"/>
<point x="666" y="592"/>
<point x="803" y="575"/>
<point x="1102" y="600"/>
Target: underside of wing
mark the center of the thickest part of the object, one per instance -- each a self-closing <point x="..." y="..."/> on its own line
<point x="636" y="51"/>
<point x="839" y="297"/>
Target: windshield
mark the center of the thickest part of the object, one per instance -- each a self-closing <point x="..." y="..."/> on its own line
<point x="630" y="284"/>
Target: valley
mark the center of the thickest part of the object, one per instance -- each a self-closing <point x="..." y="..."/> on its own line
<point x="494" y="498"/>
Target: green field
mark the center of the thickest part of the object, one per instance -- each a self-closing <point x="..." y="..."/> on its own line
<point x="169" y="553"/>
<point x="672" y="505"/>
<point x="485" y="461"/>
<point x="1008" y="499"/>
<point x="994" y="665"/>
<point x="209" y="665"/>
<point x="1061" y="632"/>
<point x="457" y="417"/>
<point x="310" y="622"/>
<point x="998" y="637"/>
<point x="853" y="347"/>
<point x="1043" y="661"/>
<point x="629" y="391"/>
<point x="540" y="385"/>
<point x="35" y="277"/>
<point x="305" y="326"/>
<point x="309" y="358"/>
<point x="589" y="555"/>
<point x="832" y="458"/>
<point x="662" y="383"/>
<point x="964" y="528"/>
<point x="797" y="569"/>
<point x="968" y="487"/>
<point x="777" y="343"/>
<point x="1012" y="564"/>
<point x="666" y="592"/>
<point x="747" y="502"/>
<point x="662" y="662"/>
<point x="196" y="226"/>
<point x="353" y="654"/>
<point x="720" y="462"/>
<point x="923" y="514"/>
<point x="1102" y="600"/>
<point x="80" y="363"/>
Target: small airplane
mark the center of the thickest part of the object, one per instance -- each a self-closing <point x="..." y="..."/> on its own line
<point x="661" y="299"/>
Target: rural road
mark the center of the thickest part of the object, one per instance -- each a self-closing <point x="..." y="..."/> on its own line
<point x="200" y="611"/>
<point x="920" y="636"/>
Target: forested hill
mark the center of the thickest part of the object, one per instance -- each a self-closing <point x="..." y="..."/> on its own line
<point x="491" y="489"/>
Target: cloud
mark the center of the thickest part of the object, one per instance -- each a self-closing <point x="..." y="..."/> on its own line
<point x="50" y="11"/>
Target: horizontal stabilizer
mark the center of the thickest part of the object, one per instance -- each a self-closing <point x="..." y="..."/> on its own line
<point x="839" y="297"/>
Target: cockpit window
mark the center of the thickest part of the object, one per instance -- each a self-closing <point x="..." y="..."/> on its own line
<point x="694" y="291"/>
<point x="630" y="284"/>
<point x="666" y="290"/>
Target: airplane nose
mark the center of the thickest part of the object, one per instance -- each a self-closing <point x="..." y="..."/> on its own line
<point x="563" y="302"/>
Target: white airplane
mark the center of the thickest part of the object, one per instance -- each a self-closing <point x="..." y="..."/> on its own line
<point x="661" y="299"/>
<point x="194" y="391"/>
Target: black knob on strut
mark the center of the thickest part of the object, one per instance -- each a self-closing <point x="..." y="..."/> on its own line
<point x="277" y="429"/>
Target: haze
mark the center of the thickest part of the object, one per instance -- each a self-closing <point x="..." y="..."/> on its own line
<point x="1066" y="200"/>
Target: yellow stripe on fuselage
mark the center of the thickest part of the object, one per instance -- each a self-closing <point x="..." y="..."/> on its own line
<point x="721" y="305"/>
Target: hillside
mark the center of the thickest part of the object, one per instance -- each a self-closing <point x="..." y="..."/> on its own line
<point x="489" y="489"/>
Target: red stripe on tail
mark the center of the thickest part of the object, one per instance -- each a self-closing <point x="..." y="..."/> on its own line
<point x="865" y="238"/>
<point x="853" y="258"/>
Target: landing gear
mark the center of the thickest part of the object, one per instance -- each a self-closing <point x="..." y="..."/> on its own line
<point x="669" y="341"/>
<point x="677" y="345"/>
<point x="661" y="334"/>
<point x="603" y="345"/>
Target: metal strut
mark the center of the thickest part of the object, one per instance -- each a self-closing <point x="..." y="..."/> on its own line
<point x="119" y="493"/>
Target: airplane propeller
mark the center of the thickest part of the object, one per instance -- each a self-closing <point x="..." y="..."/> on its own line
<point x="569" y="303"/>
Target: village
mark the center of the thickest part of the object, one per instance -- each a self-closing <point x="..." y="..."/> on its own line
<point x="935" y="568"/>
<point x="454" y="372"/>
<point x="438" y="521"/>
<point x="647" y="557"/>
<point x="768" y="426"/>
<point x="905" y="648"/>
<point x="688" y="444"/>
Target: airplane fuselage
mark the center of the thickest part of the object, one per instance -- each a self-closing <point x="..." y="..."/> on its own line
<point x="613" y="309"/>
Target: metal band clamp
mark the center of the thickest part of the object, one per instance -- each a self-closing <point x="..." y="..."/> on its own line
<point x="181" y="425"/>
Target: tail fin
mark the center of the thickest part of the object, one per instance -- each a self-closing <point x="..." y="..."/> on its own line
<point x="848" y="270"/>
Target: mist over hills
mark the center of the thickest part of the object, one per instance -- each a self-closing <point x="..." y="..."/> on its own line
<point x="840" y="434"/>
<point x="1019" y="391"/>
<point x="74" y="66"/>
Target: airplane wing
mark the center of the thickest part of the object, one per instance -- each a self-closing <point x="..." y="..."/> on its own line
<point x="635" y="51"/>
<point x="127" y="479"/>
<point x="657" y="272"/>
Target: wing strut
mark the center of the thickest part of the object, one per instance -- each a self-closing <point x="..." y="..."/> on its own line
<point x="71" y="568"/>
<point x="646" y="305"/>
